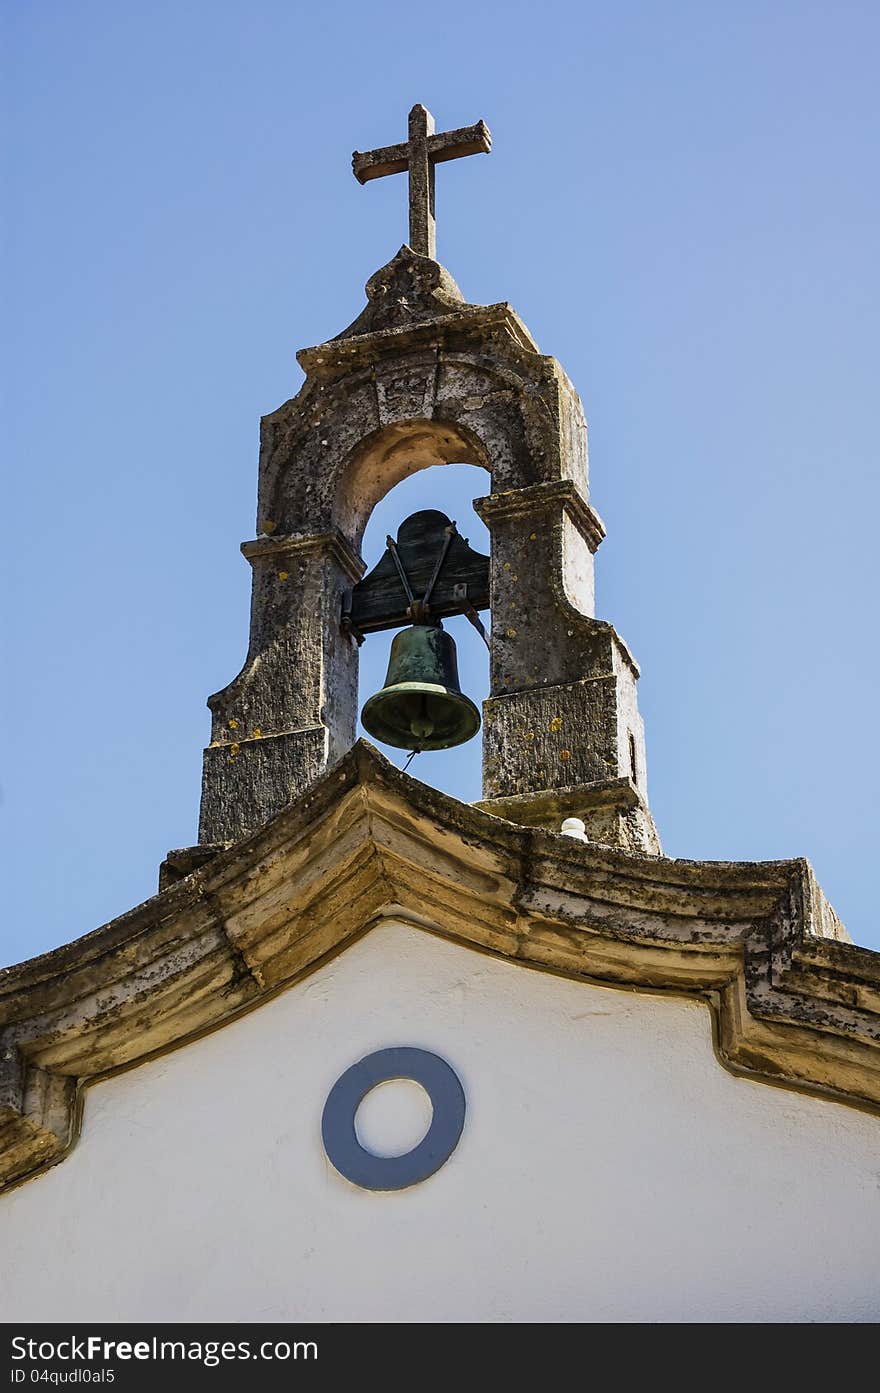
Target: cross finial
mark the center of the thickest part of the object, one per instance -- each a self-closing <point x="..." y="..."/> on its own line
<point x="418" y="155"/>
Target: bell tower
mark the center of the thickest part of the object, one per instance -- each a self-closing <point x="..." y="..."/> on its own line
<point x="422" y="378"/>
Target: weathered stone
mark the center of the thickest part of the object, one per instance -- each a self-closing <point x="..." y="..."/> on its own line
<point x="421" y="152"/>
<point x="422" y="378"/>
<point x="181" y="862"/>
<point x="793" y="1001"/>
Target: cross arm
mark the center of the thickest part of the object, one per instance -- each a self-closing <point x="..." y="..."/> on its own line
<point x="452" y="145"/>
<point x="375" y="164"/>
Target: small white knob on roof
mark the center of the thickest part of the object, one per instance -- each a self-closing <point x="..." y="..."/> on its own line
<point x="574" y="827"/>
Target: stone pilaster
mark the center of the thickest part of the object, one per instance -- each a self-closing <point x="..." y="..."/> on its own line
<point x="562" y="734"/>
<point x="292" y="709"/>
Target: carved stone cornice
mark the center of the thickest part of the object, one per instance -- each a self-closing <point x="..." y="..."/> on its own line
<point x="793" y="1002"/>
<point x="534" y="809"/>
<point x="471" y="323"/>
<point x="273" y="548"/>
<point x="538" y="498"/>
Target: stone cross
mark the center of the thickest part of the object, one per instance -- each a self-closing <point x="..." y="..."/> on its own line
<point x="418" y="155"/>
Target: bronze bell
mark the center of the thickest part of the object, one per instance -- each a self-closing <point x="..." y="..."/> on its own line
<point x="421" y="706"/>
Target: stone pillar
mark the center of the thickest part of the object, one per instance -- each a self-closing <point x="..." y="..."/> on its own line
<point x="292" y="709"/>
<point x="562" y="734"/>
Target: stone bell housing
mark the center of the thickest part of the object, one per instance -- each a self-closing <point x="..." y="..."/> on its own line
<point x="422" y="378"/>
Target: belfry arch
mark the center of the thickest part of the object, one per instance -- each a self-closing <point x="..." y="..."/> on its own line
<point x="391" y="454"/>
<point x="423" y="378"/>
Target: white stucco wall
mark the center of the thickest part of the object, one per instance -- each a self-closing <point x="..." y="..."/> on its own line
<point x="610" y="1169"/>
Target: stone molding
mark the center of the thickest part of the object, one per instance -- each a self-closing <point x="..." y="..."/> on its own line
<point x="541" y="497"/>
<point x="333" y="544"/>
<point x="793" y="1001"/>
<point x="470" y="323"/>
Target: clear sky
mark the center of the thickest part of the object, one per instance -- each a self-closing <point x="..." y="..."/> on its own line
<point x="682" y="203"/>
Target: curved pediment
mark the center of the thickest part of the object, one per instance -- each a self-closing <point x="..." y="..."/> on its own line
<point x="410" y="289"/>
<point x="793" y="1001"/>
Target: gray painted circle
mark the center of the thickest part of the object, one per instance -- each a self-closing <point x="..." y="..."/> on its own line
<point x="361" y="1167"/>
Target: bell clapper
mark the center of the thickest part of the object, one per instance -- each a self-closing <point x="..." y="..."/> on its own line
<point x="421" y="724"/>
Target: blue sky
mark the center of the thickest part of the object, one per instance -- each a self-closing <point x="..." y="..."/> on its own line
<point x="681" y="203"/>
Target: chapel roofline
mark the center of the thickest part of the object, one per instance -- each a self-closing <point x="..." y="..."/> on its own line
<point x="792" y="1001"/>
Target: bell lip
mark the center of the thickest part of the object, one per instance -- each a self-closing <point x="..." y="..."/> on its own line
<point x="428" y="743"/>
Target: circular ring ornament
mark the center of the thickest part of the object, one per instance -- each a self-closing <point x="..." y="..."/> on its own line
<point x="362" y="1167"/>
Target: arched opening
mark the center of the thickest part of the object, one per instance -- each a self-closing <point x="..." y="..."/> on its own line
<point x="388" y="457"/>
<point x="452" y="489"/>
